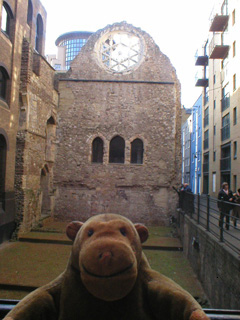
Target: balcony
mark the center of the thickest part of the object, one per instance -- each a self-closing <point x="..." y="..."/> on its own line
<point x="201" y="60"/>
<point x="225" y="102"/>
<point x="201" y="80"/>
<point x="225" y="164"/>
<point x="217" y="50"/>
<point x="219" y="23"/>
<point x="225" y="131"/>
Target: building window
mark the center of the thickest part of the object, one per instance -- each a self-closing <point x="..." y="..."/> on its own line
<point x="234" y="82"/>
<point x="206" y="142"/>
<point x="235" y="186"/>
<point x="3" y="153"/>
<point x="97" y="150"/>
<point x="73" y="47"/>
<point x="3" y="83"/>
<point x="214" y="79"/>
<point x="234" y="48"/>
<point x="6" y="19"/>
<point x="29" y="13"/>
<point x="235" y="150"/>
<point x="214" y="155"/>
<point x="39" y="34"/>
<point x="117" y="150"/>
<point x="214" y="130"/>
<point x="233" y="17"/>
<point x="137" y="151"/>
<point x="226" y="127"/>
<point x="234" y="116"/>
<point x="214" y="104"/>
<point x="225" y="98"/>
<point x="206" y="117"/>
<point x="214" y="182"/>
<point x="225" y="161"/>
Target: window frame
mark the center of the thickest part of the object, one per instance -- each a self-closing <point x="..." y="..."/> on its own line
<point x="9" y="16"/>
<point x="116" y="152"/>
<point x="137" y="151"/>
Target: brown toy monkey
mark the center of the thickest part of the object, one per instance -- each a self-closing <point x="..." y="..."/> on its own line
<point x="108" y="278"/>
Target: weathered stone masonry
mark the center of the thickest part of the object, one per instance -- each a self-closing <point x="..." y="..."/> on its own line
<point x="143" y="103"/>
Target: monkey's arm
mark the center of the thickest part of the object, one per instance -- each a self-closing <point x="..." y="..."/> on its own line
<point x="41" y="304"/>
<point x="167" y="300"/>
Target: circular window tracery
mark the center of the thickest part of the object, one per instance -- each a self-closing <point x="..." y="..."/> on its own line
<point x="120" y="51"/>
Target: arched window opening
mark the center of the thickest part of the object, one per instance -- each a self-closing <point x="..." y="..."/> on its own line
<point x="39" y="34"/>
<point x="3" y="83"/>
<point x="29" y="13"/>
<point x="97" y="150"/>
<point x="3" y="154"/>
<point x="137" y="151"/>
<point x="117" y="150"/>
<point x="6" y="18"/>
<point x="51" y="120"/>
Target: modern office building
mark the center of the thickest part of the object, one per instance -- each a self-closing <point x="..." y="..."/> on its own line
<point x="186" y="130"/>
<point x="196" y="147"/>
<point x="69" y="45"/>
<point x="220" y="79"/>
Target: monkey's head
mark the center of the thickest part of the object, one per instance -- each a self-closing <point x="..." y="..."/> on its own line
<point x="107" y="252"/>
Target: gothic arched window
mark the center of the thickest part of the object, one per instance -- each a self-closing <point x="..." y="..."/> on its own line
<point x="3" y="154"/>
<point x="97" y="150"/>
<point x="137" y="151"/>
<point x="30" y="12"/>
<point x="117" y="150"/>
<point x="7" y="16"/>
<point x="3" y="83"/>
<point x="39" y="34"/>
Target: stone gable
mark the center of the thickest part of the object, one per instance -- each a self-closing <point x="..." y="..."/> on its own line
<point x="143" y="103"/>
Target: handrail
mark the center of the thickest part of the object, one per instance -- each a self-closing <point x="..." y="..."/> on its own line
<point x="207" y="212"/>
<point x="216" y="314"/>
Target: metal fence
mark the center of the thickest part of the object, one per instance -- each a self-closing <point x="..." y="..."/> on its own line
<point x="214" y="314"/>
<point x="207" y="212"/>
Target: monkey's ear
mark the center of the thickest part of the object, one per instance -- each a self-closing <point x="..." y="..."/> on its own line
<point x="142" y="231"/>
<point x="72" y="229"/>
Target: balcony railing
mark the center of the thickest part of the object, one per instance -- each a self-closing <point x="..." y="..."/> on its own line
<point x="225" y="132"/>
<point x="217" y="49"/>
<point x="225" y="164"/>
<point x="225" y="102"/>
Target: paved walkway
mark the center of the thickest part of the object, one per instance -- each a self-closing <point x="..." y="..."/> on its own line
<point x="40" y="256"/>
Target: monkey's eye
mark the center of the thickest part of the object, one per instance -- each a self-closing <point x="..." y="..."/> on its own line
<point x="90" y="232"/>
<point x="123" y="232"/>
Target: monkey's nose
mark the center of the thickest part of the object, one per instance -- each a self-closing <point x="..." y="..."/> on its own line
<point x="105" y="257"/>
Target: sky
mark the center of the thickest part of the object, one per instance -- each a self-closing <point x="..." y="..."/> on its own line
<point x="178" y="27"/>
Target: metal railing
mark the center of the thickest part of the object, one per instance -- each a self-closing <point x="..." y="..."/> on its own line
<point x="216" y="314"/>
<point x="220" y="218"/>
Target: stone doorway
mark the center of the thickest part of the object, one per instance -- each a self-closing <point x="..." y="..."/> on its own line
<point x="45" y="197"/>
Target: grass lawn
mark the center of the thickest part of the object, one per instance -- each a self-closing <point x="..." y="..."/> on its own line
<point x="35" y="264"/>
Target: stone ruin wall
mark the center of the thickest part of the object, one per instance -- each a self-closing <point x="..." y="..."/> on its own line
<point x="141" y="104"/>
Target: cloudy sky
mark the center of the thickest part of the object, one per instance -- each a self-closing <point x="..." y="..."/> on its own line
<point x="179" y="28"/>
